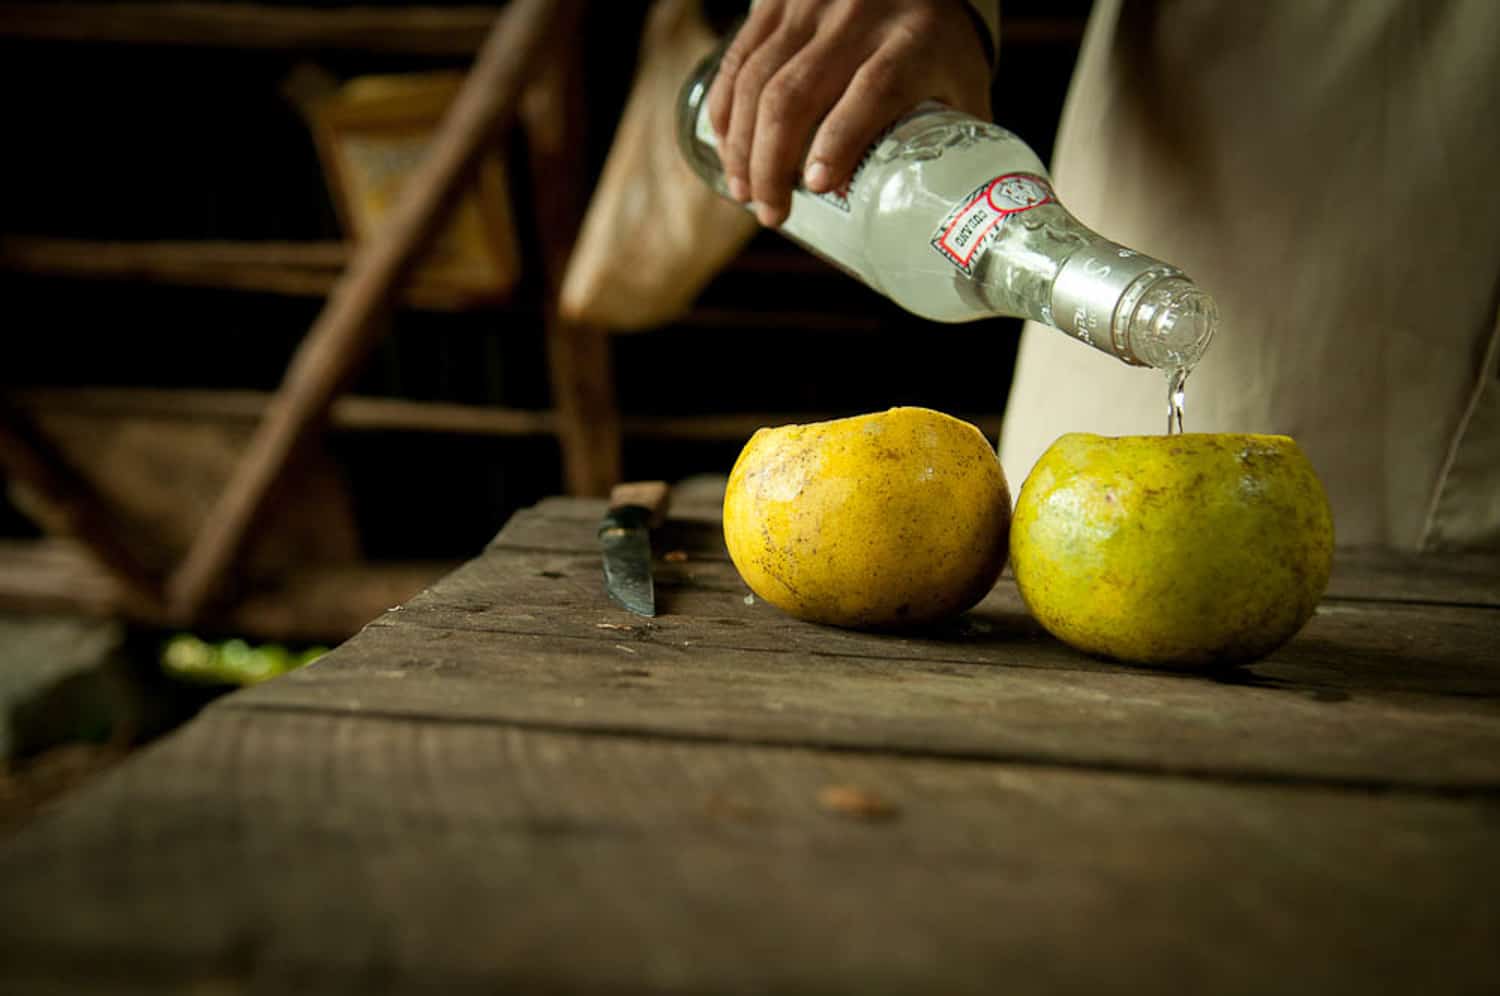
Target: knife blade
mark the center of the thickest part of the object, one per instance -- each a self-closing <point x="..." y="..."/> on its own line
<point x="624" y="539"/>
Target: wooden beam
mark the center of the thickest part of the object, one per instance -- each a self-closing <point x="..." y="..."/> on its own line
<point x="401" y="415"/>
<point x="311" y="269"/>
<point x="578" y="355"/>
<point x="579" y="363"/>
<point x="293" y="269"/>
<point x="343" y="332"/>
<point x="349" y="412"/>
<point x="414" y="30"/>
<point x="169" y="259"/>
<point x="360" y="413"/>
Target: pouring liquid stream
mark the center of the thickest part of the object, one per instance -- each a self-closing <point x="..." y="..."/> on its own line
<point x="1176" y="399"/>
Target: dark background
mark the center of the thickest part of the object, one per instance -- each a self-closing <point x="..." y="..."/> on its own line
<point x="139" y="142"/>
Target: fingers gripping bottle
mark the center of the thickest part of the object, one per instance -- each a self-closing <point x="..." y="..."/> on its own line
<point x="954" y="219"/>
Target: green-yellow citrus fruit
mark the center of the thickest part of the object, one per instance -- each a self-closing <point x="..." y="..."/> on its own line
<point x="895" y="518"/>
<point x="1173" y="550"/>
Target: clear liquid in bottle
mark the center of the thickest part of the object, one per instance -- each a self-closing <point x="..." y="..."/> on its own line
<point x="955" y="219"/>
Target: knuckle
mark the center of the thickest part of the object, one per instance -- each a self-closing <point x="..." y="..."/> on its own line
<point x="786" y="93"/>
<point x="748" y="83"/>
<point x="718" y="103"/>
<point x="766" y="160"/>
<point x="732" y="61"/>
<point x="879" y="79"/>
<point x="770" y="173"/>
<point x="833" y="134"/>
<point x="920" y="22"/>
<point x="911" y="40"/>
<point x="837" y="144"/>
<point x="732" y="154"/>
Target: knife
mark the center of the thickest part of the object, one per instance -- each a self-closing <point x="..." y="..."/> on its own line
<point x="634" y="509"/>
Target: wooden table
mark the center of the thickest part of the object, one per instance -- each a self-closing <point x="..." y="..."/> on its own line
<point x="508" y="784"/>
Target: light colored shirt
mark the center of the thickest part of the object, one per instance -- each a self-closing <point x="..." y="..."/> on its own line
<point x="1330" y="172"/>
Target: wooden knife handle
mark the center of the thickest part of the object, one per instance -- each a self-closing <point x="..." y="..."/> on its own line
<point x="653" y="496"/>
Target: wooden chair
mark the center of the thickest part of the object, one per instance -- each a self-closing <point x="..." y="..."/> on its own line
<point x="506" y="83"/>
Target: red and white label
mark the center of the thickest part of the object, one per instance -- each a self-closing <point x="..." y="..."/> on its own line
<point x="968" y="228"/>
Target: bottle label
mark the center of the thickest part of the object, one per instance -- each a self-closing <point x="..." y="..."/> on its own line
<point x="972" y="224"/>
<point x="838" y="197"/>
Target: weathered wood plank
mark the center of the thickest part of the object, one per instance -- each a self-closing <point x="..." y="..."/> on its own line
<point x="696" y="531"/>
<point x="481" y="647"/>
<point x="1377" y="694"/>
<point x="276" y="853"/>
<point x="564" y="525"/>
<point x="1351" y="648"/>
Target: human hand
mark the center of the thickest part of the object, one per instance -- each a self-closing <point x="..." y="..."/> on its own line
<point x="855" y="65"/>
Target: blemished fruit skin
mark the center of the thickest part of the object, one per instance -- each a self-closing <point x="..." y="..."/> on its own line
<point x="886" y="520"/>
<point x="1188" y="551"/>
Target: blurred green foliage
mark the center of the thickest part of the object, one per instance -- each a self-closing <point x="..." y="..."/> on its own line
<point x="231" y="662"/>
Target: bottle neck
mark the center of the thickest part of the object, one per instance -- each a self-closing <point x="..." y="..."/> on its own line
<point x="1139" y="309"/>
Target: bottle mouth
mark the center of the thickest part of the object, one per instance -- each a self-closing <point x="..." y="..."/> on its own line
<point x="1173" y="324"/>
<point x="1138" y="309"/>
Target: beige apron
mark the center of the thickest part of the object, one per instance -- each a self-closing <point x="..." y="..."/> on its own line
<point x="1329" y="171"/>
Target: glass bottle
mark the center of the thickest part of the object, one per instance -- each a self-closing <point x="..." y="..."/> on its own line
<point x="954" y="219"/>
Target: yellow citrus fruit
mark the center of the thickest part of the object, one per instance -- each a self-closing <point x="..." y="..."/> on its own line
<point x="1173" y="550"/>
<point x="889" y="519"/>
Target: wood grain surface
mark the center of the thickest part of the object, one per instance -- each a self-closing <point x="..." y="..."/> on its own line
<point x="276" y="853"/>
<point x="532" y="638"/>
<point x="509" y="784"/>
